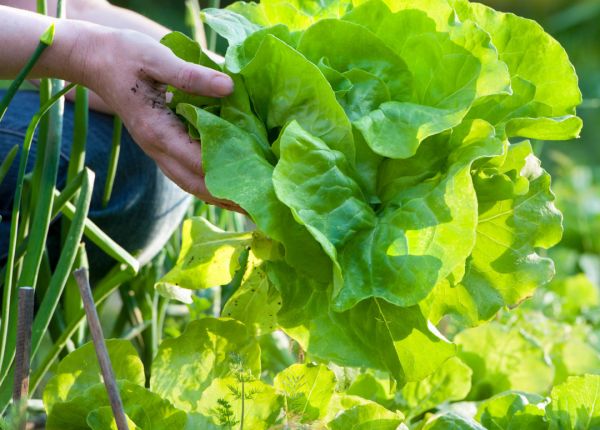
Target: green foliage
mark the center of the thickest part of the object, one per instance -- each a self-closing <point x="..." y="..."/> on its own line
<point x="370" y="143"/>
<point x="576" y="404"/>
<point x="451" y="381"/>
<point x="79" y="371"/>
<point x="512" y="410"/>
<point x="307" y="390"/>
<point x="203" y="353"/>
<point x="503" y="358"/>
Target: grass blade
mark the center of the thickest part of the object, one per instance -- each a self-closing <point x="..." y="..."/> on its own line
<point x="113" y="161"/>
<point x="8" y="161"/>
<point x="45" y="41"/>
<point x="8" y="305"/>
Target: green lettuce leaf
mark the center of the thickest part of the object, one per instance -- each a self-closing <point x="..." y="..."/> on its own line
<point x="307" y="389"/>
<point x="367" y="416"/>
<point x="247" y="180"/>
<point x="505" y="266"/>
<point x="208" y="349"/>
<point x="450" y="382"/>
<point x="575" y="404"/>
<point x="79" y="371"/>
<point x="373" y="334"/>
<point x="209" y="257"/>
<point x="144" y="409"/>
<point x="258" y="402"/>
<point x="451" y="421"/>
<point x="512" y="411"/>
<point x="532" y="56"/>
<point x="503" y="358"/>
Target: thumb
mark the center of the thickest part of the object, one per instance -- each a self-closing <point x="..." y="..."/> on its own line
<point x="191" y="78"/>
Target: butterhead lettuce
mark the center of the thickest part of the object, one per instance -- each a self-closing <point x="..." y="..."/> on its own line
<point x="380" y="148"/>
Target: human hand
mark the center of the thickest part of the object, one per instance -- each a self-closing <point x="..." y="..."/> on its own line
<point x="130" y="72"/>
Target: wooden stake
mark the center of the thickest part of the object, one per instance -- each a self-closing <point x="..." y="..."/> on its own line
<point x="81" y="276"/>
<point x="23" y="353"/>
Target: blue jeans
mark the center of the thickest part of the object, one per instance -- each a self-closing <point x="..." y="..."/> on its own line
<point x="145" y="207"/>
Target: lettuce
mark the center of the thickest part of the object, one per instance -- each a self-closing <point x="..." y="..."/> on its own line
<point x="379" y="148"/>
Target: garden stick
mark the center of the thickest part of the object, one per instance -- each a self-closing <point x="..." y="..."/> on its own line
<point x="23" y="354"/>
<point x="116" y="404"/>
<point x="117" y="276"/>
<point x="23" y="349"/>
<point x="102" y="291"/>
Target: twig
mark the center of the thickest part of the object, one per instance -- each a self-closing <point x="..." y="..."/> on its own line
<point x="81" y="276"/>
<point x="23" y="352"/>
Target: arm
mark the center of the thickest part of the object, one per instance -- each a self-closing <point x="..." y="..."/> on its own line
<point x="103" y="13"/>
<point x="99" y="12"/>
<point x="128" y="70"/>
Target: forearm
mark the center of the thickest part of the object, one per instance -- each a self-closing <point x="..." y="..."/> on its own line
<point x="65" y="59"/>
<point x="99" y="12"/>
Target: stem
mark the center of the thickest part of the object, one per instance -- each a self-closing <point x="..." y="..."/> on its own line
<point x="45" y="41"/>
<point x="101" y="292"/>
<point x="7" y="163"/>
<point x="12" y="245"/>
<point x="243" y="406"/>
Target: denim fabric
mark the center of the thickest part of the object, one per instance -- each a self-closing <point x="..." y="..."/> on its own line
<point x="145" y="207"/>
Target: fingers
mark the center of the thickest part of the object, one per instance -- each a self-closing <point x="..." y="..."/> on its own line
<point x="188" y="77"/>
<point x="164" y="138"/>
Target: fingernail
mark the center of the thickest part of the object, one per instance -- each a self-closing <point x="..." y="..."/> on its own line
<point x="221" y="85"/>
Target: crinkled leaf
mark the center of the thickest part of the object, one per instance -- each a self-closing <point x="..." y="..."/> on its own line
<point x="285" y="86"/>
<point x="209" y="257"/>
<point x="451" y="421"/>
<point x="503" y="358"/>
<point x="144" y="408"/>
<point x="317" y="184"/>
<point x="369" y="416"/>
<point x="348" y="46"/>
<point x="535" y="57"/>
<point x="236" y="169"/>
<point x="451" y="381"/>
<point x="504" y="267"/>
<point x="373" y="334"/>
<point x="406" y="254"/>
<point x="512" y="411"/>
<point x="575" y="404"/>
<point x="437" y="104"/>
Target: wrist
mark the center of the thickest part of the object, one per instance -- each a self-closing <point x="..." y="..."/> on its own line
<point x="72" y="55"/>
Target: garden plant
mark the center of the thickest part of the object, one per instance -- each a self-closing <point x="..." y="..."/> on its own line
<point x="392" y="269"/>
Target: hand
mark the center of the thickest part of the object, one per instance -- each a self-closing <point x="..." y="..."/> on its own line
<point x="130" y="72"/>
